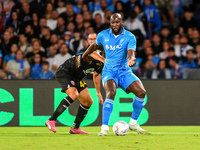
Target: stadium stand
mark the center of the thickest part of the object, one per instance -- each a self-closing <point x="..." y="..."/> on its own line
<point x="43" y="26"/>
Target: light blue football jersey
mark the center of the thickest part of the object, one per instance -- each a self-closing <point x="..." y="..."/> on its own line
<point x="116" y="50"/>
<point x="116" y="47"/>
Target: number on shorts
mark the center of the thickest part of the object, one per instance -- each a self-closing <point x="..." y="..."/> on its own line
<point x="82" y="84"/>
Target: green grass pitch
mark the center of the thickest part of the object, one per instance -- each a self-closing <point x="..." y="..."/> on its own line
<point x="159" y="138"/>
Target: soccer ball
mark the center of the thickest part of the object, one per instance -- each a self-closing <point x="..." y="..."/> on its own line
<point x="120" y="128"/>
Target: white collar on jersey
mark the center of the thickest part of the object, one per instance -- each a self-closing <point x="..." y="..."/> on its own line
<point x="116" y="35"/>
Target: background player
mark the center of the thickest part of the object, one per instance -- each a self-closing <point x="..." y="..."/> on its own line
<point x="118" y="43"/>
<point x="70" y="75"/>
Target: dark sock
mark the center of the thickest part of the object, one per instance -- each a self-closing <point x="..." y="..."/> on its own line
<point x="82" y="112"/>
<point x="67" y="101"/>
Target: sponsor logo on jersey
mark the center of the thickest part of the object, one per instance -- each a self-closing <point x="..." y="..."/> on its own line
<point x="113" y="47"/>
<point x="98" y="64"/>
<point x="89" y="70"/>
<point x="106" y="40"/>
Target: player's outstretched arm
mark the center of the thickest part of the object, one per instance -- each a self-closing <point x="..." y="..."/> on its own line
<point x="97" y="81"/>
<point x="131" y="58"/>
<point x="89" y="50"/>
<point x="98" y="57"/>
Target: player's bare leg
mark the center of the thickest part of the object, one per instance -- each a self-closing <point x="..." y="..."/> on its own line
<point x="86" y="101"/>
<point x="66" y="102"/>
<point x="110" y="89"/>
<point x="138" y="89"/>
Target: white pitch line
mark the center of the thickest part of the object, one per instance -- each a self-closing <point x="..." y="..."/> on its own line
<point x="174" y="133"/>
<point x="151" y="133"/>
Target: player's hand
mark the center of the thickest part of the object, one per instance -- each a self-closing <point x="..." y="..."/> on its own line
<point x="100" y="98"/>
<point x="131" y="62"/>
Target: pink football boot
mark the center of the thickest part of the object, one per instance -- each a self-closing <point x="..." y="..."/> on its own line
<point x="51" y="125"/>
<point x="77" y="131"/>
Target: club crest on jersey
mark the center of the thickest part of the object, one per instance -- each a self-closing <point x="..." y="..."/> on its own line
<point x="107" y="47"/>
<point x="72" y="82"/>
<point x="121" y="41"/>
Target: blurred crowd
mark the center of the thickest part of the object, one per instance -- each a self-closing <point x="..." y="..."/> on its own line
<point x="39" y="35"/>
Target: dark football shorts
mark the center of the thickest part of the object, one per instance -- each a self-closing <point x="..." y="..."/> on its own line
<point x="66" y="80"/>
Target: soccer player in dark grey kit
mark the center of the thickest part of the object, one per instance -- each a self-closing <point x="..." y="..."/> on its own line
<point x="70" y="75"/>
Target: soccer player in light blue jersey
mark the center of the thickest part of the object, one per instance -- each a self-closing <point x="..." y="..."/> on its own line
<point x="120" y="46"/>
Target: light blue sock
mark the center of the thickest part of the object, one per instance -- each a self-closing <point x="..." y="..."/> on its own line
<point x="138" y="104"/>
<point x="107" y="110"/>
